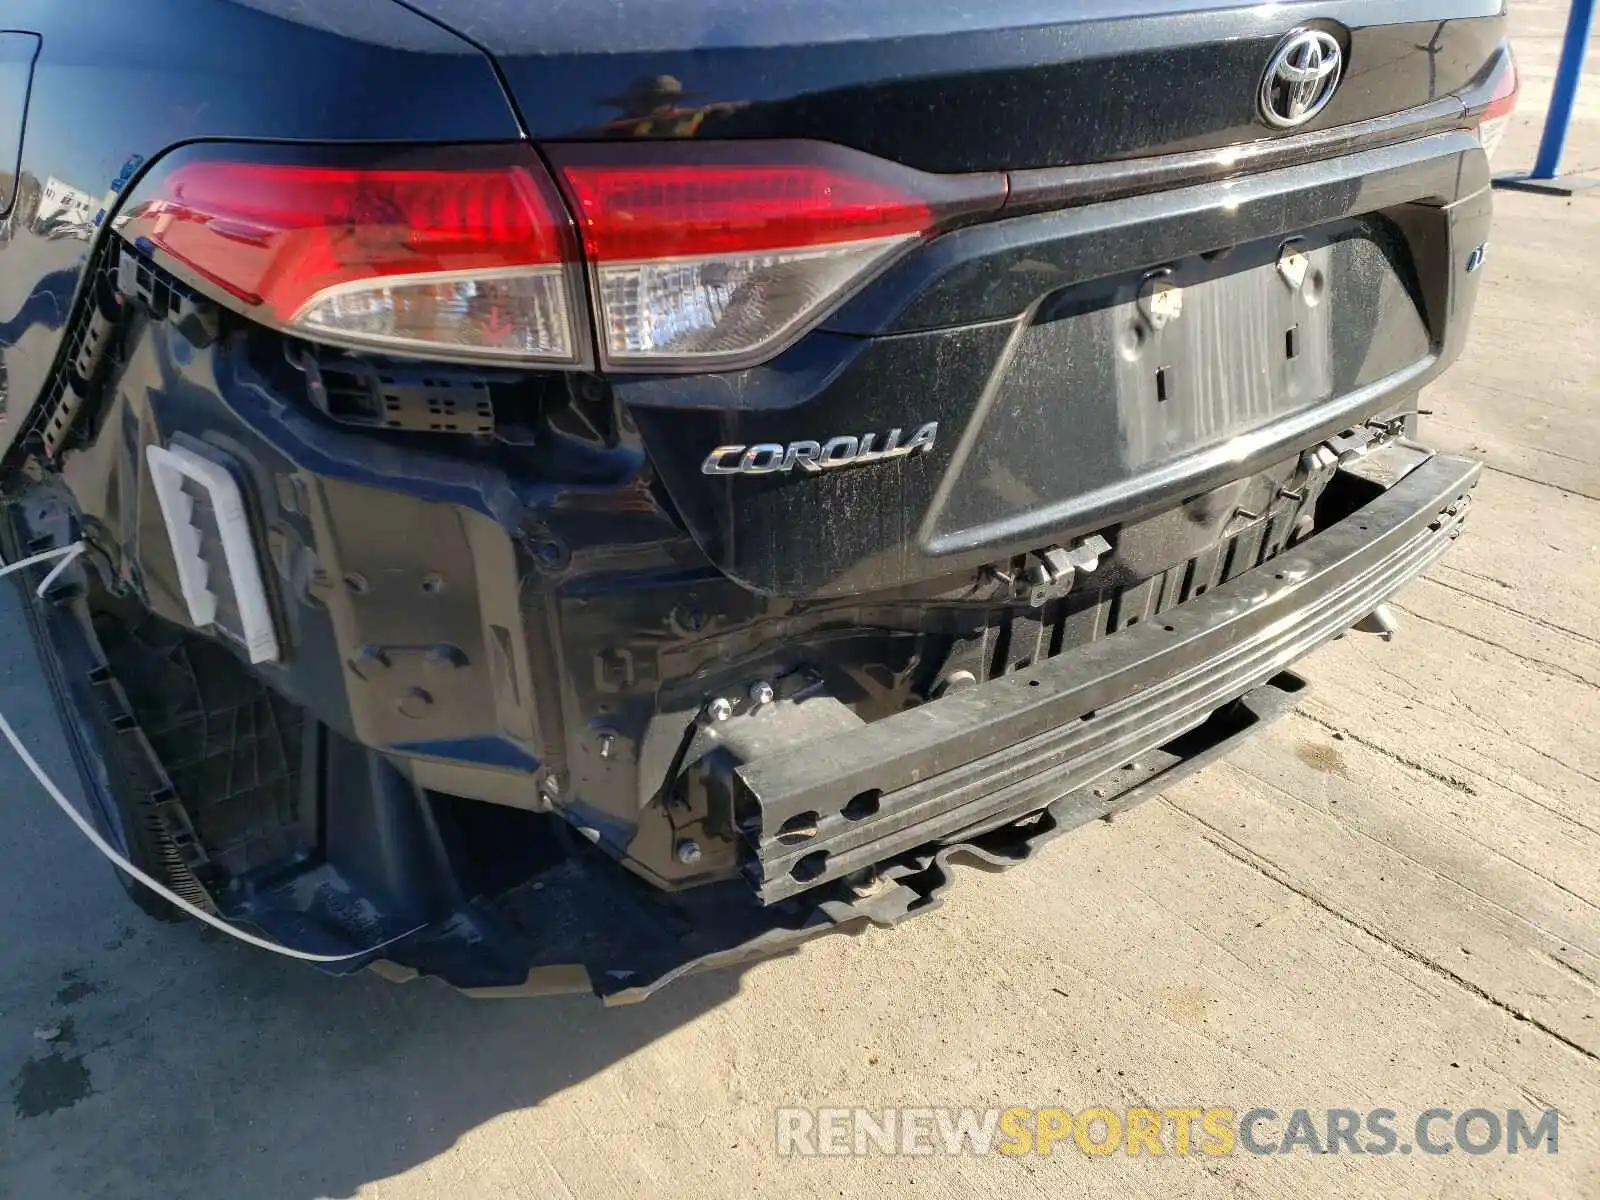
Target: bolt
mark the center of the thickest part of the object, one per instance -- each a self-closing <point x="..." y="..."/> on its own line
<point x="553" y="785"/>
<point x="687" y="852"/>
<point x="761" y="692"/>
<point x="607" y="740"/>
<point x="719" y="709"/>
<point x="954" y="682"/>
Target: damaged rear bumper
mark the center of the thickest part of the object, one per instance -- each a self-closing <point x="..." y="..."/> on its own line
<point x="982" y="776"/>
<point x="986" y="776"/>
<point x="989" y="754"/>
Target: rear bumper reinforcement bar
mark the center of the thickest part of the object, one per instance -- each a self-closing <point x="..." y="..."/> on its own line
<point x="972" y="761"/>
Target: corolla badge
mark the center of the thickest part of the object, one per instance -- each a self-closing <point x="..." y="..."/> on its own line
<point x="765" y="458"/>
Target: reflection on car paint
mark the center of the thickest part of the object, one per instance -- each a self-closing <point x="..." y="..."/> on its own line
<point x="64" y="211"/>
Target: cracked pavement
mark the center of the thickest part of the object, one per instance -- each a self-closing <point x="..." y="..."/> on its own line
<point x="1391" y="898"/>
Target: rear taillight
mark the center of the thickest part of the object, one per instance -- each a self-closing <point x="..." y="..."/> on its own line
<point x="1494" y="120"/>
<point x="718" y="255"/>
<point x="469" y="257"/>
<point x="698" y="255"/>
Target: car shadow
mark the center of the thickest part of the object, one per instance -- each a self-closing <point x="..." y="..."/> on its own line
<point x="150" y="1059"/>
<point x="182" y="1061"/>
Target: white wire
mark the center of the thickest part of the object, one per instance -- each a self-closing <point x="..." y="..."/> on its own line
<point x="66" y="555"/>
<point x="67" y="552"/>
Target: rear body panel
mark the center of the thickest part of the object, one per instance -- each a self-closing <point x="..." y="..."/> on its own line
<point x="504" y="629"/>
<point x="1039" y="376"/>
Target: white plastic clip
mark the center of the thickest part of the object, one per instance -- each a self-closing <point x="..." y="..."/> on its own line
<point x="168" y="470"/>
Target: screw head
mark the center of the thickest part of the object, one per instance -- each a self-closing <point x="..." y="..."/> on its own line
<point x="687" y="851"/>
<point x="761" y="692"/>
<point x="719" y="709"/>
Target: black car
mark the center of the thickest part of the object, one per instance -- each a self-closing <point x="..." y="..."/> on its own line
<point x="556" y="496"/>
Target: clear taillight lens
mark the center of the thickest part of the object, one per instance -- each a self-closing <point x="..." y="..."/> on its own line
<point x="715" y="255"/>
<point x="521" y="314"/>
<point x="725" y="306"/>
<point x="1495" y="119"/>
<point x="468" y="259"/>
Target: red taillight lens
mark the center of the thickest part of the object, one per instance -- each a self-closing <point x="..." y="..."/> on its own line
<point x="471" y="259"/>
<point x="700" y="254"/>
<point x="1492" y="124"/>
<point x="717" y="254"/>
<point x="671" y="210"/>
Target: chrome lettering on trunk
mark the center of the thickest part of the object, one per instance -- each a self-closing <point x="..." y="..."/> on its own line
<point x="765" y="458"/>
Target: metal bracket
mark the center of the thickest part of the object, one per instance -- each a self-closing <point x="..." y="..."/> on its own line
<point x="1051" y="573"/>
<point x="1353" y="443"/>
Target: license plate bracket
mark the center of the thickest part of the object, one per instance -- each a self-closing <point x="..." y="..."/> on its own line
<point x="1210" y="347"/>
<point x="1119" y="384"/>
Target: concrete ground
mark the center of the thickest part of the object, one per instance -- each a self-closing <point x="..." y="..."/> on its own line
<point x="1390" y="900"/>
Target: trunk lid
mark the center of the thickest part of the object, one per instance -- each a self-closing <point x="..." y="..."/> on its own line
<point x="944" y="85"/>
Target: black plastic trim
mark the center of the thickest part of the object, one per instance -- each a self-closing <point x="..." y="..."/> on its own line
<point x="997" y="270"/>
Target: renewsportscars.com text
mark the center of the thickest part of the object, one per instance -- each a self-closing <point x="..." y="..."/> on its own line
<point x="1177" y="1130"/>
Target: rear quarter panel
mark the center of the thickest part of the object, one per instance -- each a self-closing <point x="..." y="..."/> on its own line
<point x="116" y="83"/>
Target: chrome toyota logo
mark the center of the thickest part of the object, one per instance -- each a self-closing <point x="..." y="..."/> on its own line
<point x="1301" y="78"/>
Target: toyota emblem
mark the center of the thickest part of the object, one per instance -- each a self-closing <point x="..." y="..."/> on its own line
<point x="1301" y="78"/>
